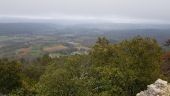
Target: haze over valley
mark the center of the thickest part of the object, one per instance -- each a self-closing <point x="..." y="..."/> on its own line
<point x="30" y="38"/>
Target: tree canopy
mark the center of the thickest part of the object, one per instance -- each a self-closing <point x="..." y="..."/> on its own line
<point x="121" y="69"/>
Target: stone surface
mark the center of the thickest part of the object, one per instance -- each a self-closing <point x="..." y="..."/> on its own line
<point x="159" y="88"/>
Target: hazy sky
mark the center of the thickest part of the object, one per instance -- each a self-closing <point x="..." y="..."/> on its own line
<point x="134" y="9"/>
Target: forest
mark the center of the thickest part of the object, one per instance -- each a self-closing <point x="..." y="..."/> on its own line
<point x="120" y="69"/>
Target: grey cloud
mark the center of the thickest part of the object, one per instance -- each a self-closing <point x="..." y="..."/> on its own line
<point x="142" y="9"/>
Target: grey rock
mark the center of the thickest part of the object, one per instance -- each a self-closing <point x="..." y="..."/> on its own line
<point x="159" y="88"/>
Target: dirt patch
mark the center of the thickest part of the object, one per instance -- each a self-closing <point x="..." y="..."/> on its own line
<point x="55" y="48"/>
<point x="23" y="51"/>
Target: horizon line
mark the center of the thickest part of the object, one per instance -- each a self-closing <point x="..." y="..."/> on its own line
<point x="111" y="19"/>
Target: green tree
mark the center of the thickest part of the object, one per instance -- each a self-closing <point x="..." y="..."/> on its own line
<point x="65" y="77"/>
<point x="121" y="69"/>
<point x="10" y="76"/>
<point x="126" y="68"/>
<point x="143" y="57"/>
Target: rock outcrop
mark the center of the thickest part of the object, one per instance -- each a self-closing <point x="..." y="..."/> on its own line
<point x="159" y="88"/>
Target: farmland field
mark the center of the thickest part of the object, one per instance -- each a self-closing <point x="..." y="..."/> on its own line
<point x="55" y="48"/>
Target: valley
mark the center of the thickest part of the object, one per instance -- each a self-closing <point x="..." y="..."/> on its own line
<point x="32" y="40"/>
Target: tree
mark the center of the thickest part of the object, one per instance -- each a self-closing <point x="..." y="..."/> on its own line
<point x="65" y="77"/>
<point x="126" y="68"/>
<point x="143" y="58"/>
<point x="122" y="69"/>
<point x="165" y="68"/>
<point x="10" y="76"/>
<point x="100" y="52"/>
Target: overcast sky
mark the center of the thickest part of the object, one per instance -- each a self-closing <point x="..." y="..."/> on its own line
<point x="135" y="9"/>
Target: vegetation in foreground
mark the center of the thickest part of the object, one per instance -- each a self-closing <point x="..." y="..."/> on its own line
<point x="122" y="69"/>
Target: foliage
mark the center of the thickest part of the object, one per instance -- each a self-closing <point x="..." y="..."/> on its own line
<point x="64" y="78"/>
<point x="17" y="78"/>
<point x="10" y="76"/>
<point x="121" y="69"/>
<point x="166" y="65"/>
<point x="37" y="67"/>
<point x="126" y="67"/>
<point x="22" y="92"/>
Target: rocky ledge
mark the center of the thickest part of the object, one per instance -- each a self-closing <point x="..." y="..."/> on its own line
<point x="159" y="88"/>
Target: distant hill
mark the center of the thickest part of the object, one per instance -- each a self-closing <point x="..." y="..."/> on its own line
<point x="113" y="30"/>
